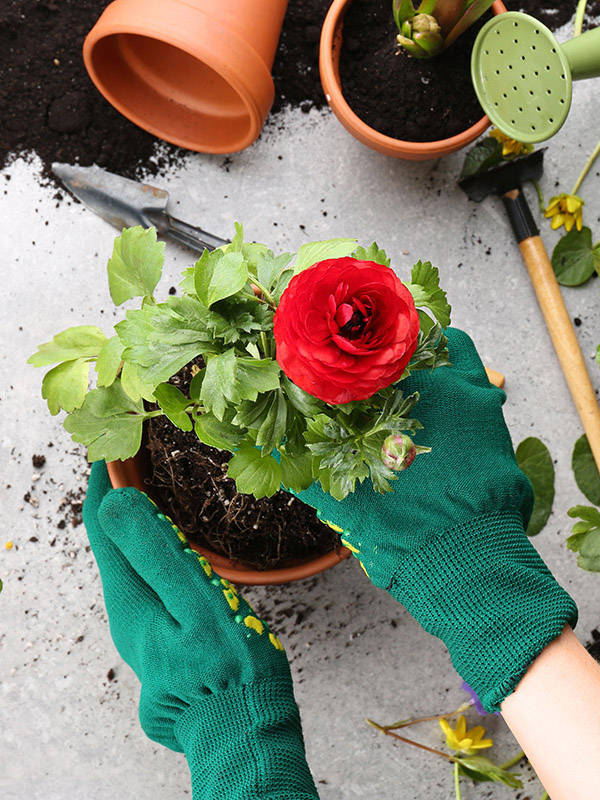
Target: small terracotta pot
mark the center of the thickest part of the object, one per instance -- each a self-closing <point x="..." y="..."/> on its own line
<point x="132" y="473"/>
<point x="329" y="61"/>
<point x="196" y="73"/>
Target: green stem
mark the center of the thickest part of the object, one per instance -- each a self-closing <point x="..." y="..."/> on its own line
<point x="456" y="780"/>
<point x="408" y="722"/>
<point x="513" y="761"/>
<point x="586" y="169"/>
<point x="545" y="796"/>
<point x="265" y="344"/>
<point x="540" y="195"/>
<point x="381" y="729"/>
<point x="579" y="14"/>
<point x="266" y="294"/>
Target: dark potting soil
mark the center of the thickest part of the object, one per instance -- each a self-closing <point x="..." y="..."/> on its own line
<point x="191" y="481"/>
<point x="418" y="100"/>
<point x="195" y="491"/>
<point x="49" y="106"/>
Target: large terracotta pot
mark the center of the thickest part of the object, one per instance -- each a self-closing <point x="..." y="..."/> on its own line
<point x="329" y="59"/>
<point x="132" y="473"/>
<point x="196" y="73"/>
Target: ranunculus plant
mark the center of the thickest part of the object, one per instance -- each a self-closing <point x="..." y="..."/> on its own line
<point x="296" y="361"/>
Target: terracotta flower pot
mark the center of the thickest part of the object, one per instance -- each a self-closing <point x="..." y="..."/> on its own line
<point x="329" y="59"/>
<point x="196" y="73"/>
<point x="132" y="473"/>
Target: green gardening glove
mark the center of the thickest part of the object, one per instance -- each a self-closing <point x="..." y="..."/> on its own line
<point x="215" y="682"/>
<point x="449" y="542"/>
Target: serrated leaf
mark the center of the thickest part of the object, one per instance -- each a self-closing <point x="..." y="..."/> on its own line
<point x="534" y="459"/>
<point x="485" y="154"/>
<point x="173" y="403"/>
<point x="135" y="266"/>
<point x="272" y="430"/>
<point x="80" y="341"/>
<point x="586" y="537"/>
<point x="282" y="283"/>
<point x="302" y="401"/>
<point x="269" y="267"/>
<point x="109" y="361"/>
<point x="253" y="473"/>
<point x="218" y="275"/>
<point x="425" y="288"/>
<point x="165" y="337"/>
<point x="372" y="253"/>
<point x="573" y="257"/>
<point x="229" y="379"/>
<point x="65" y="386"/>
<point x="588" y="513"/>
<point x="585" y="470"/>
<point x="217" y="433"/>
<point x="134" y="383"/>
<point x="313" y="252"/>
<point x="109" y="423"/>
<point x="296" y="471"/>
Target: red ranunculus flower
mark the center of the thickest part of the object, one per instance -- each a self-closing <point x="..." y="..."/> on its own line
<point x="345" y="329"/>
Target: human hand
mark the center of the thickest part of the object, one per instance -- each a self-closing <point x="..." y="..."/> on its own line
<point x="215" y="682"/>
<point x="449" y="541"/>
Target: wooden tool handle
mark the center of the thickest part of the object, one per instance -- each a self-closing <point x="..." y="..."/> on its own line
<point x="564" y="339"/>
<point x="497" y="378"/>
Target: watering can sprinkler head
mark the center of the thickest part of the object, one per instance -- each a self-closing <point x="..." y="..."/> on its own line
<point x="523" y="77"/>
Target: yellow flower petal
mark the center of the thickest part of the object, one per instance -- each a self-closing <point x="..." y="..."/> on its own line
<point x="557" y="221"/>
<point x="569" y="222"/>
<point x="573" y="203"/>
<point x="477" y="732"/>
<point x="483" y="743"/>
<point x="461" y="727"/>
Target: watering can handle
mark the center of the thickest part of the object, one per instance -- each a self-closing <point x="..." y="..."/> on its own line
<point x="583" y="55"/>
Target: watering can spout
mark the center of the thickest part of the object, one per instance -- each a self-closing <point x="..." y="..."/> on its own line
<point x="583" y="55"/>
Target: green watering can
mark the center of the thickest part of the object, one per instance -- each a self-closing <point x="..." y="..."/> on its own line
<point x="523" y="77"/>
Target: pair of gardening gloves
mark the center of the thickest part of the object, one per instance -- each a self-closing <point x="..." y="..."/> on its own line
<point x="448" y="543"/>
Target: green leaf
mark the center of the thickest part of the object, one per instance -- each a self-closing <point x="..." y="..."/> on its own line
<point x="136" y="264"/>
<point x="217" y="433"/>
<point x="134" y="383"/>
<point x="81" y="341"/>
<point x="586" y="537"/>
<point x="425" y="288"/>
<point x="218" y="275"/>
<point x="65" y="385"/>
<point x="296" y="471"/>
<point x="165" y="337"/>
<point x="534" y="459"/>
<point x="268" y="267"/>
<point x="479" y="768"/>
<point x="402" y="10"/>
<point x="474" y="11"/>
<point x="598" y="355"/>
<point x="173" y="403"/>
<point x="485" y="154"/>
<point x="109" y="423"/>
<point x="372" y="253"/>
<point x="282" y="283"/>
<point x="253" y="473"/>
<point x="313" y="252"/>
<point x="585" y="470"/>
<point x="573" y="257"/>
<point x="302" y="401"/>
<point x="109" y="361"/>
<point x="272" y="430"/>
<point x="229" y="379"/>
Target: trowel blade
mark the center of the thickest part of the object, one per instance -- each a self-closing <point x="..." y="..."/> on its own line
<point x="120" y="201"/>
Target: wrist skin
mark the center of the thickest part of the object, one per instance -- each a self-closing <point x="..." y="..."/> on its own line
<point x="554" y="714"/>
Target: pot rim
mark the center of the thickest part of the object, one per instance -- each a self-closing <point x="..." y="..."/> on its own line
<point x="328" y="67"/>
<point x="130" y="472"/>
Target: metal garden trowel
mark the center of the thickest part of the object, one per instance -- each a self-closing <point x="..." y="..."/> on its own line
<point x="507" y="181"/>
<point x="523" y="77"/>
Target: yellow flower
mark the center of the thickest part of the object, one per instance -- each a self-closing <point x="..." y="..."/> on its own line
<point x="510" y="147"/>
<point x="567" y="210"/>
<point x="460" y="739"/>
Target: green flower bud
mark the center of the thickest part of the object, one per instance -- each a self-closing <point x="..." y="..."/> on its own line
<point x="398" y="452"/>
<point x="425" y="23"/>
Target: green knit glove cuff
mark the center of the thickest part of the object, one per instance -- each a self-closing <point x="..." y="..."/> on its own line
<point x="489" y="597"/>
<point x="247" y="744"/>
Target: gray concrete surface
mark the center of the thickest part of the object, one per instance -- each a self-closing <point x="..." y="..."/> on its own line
<point x="69" y="731"/>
